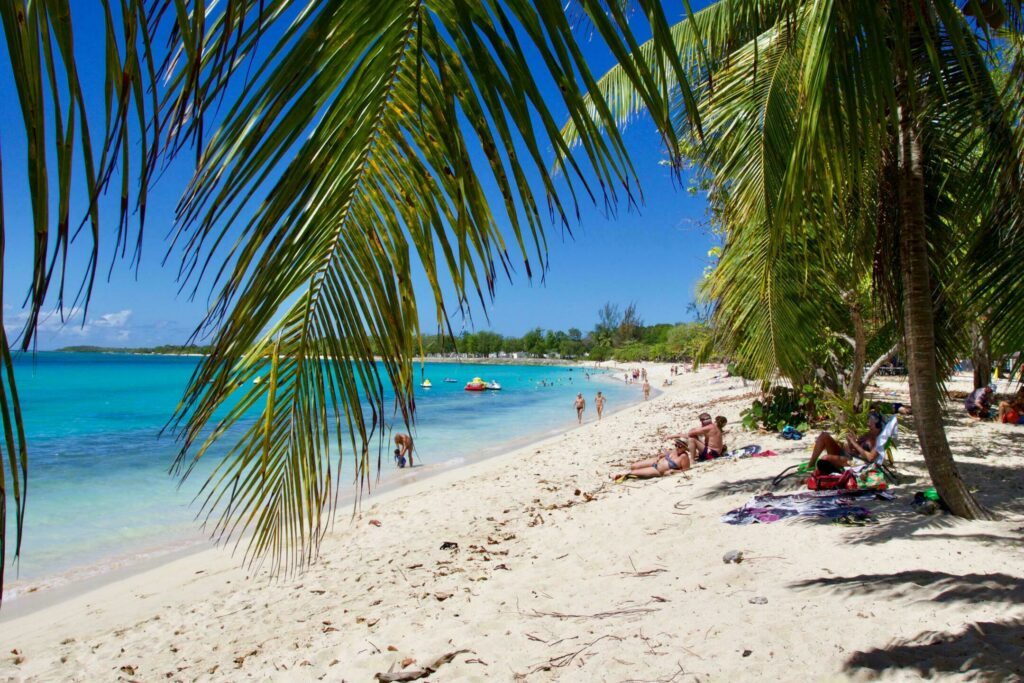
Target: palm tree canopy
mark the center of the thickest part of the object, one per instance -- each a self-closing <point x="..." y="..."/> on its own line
<point x="797" y="101"/>
<point x="330" y="162"/>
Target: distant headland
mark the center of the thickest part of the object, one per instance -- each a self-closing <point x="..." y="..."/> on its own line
<point x="163" y="350"/>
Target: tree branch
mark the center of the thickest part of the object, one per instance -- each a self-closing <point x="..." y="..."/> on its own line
<point x="877" y="365"/>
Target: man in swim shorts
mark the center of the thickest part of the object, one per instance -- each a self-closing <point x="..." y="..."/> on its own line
<point x="705" y="442"/>
<point x="581" y="405"/>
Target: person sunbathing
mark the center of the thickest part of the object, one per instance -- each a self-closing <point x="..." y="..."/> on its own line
<point x="831" y="457"/>
<point x="707" y="441"/>
<point x="669" y="462"/>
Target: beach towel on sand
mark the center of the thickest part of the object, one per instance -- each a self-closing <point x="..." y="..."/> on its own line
<point x="751" y="451"/>
<point x="767" y="508"/>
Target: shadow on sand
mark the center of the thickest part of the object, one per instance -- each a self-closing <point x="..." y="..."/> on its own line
<point x="990" y="462"/>
<point x="982" y="650"/>
<point x="986" y="651"/>
<point x="929" y="586"/>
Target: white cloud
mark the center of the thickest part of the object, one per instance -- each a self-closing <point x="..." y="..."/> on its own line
<point x="53" y="327"/>
<point x="119" y="319"/>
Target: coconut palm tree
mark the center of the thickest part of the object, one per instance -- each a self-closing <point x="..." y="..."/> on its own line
<point x="338" y="147"/>
<point x="830" y="125"/>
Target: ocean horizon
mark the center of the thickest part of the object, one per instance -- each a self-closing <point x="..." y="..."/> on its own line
<point x="100" y="495"/>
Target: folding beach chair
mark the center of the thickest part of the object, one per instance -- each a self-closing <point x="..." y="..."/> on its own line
<point x="887" y="449"/>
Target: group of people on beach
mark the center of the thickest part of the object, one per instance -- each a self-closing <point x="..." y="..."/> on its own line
<point x="702" y="443"/>
<point x="635" y="376"/>
<point x="707" y="442"/>
<point x="978" y="405"/>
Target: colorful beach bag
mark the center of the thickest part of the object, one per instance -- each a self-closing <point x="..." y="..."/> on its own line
<point x="830" y="482"/>
<point x="873" y="480"/>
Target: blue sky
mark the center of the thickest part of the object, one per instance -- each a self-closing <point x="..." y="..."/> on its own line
<point x="653" y="255"/>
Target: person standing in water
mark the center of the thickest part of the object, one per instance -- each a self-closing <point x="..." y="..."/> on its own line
<point x="581" y="405"/>
<point x="599" y="404"/>
<point x="403" y="448"/>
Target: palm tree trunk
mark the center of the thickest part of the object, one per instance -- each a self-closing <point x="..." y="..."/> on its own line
<point x="918" y="314"/>
<point x="981" y="356"/>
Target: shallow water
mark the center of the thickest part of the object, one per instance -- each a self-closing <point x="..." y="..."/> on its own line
<point x="99" y="490"/>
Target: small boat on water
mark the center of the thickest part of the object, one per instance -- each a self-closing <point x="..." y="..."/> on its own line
<point x="476" y="385"/>
<point x="426" y="384"/>
<point x="493" y="386"/>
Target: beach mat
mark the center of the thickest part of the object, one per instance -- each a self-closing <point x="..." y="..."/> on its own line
<point x="766" y="508"/>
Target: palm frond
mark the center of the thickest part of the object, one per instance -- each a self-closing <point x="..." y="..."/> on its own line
<point x="704" y="42"/>
<point x="63" y="142"/>
<point x="347" y="155"/>
<point x="342" y="162"/>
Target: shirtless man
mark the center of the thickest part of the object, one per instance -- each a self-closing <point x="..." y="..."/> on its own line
<point x="403" y="448"/>
<point x="647" y="389"/>
<point x="599" y="403"/>
<point x="707" y="441"/>
<point x="830" y="457"/>
<point x="581" y="405"/>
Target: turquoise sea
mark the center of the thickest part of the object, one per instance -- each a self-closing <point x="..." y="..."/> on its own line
<point x="99" y="491"/>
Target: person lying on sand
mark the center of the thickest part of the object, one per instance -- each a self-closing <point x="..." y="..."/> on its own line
<point x="669" y="462"/>
<point x="707" y="441"/>
<point x="404" y="448"/>
<point x="829" y="457"/>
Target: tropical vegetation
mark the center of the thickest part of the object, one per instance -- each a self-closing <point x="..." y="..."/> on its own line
<point x="618" y="335"/>
<point x="865" y="152"/>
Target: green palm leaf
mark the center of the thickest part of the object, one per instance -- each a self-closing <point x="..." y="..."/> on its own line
<point x="346" y="157"/>
<point x="365" y="101"/>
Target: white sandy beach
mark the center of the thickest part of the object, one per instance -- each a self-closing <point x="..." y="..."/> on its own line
<point x="561" y="575"/>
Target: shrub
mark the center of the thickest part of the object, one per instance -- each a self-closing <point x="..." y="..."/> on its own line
<point x="780" y="407"/>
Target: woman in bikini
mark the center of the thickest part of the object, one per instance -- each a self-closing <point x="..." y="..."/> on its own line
<point x="669" y="462"/>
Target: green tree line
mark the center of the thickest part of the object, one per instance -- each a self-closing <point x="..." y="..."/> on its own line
<point x="618" y="335"/>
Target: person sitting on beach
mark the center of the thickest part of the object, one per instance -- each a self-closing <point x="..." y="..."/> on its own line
<point x="830" y="457"/>
<point x="581" y="405"/>
<point x="1010" y="413"/>
<point x="979" y="402"/>
<point x="707" y="441"/>
<point x="403" y="443"/>
<point x="669" y="462"/>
